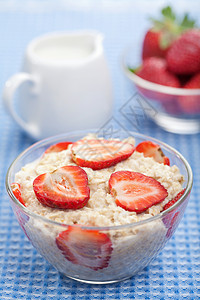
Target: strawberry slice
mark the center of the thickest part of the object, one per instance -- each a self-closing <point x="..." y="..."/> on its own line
<point x="16" y="189"/>
<point x="21" y="216"/>
<point x="58" y="147"/>
<point x="99" y="153"/>
<point x="174" y="200"/>
<point x="150" y="149"/>
<point x="88" y="248"/>
<point x="171" y="219"/>
<point x="135" y="191"/>
<point x="66" y="187"/>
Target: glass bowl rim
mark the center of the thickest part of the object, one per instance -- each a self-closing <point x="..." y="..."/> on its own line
<point x="151" y="85"/>
<point x="58" y="138"/>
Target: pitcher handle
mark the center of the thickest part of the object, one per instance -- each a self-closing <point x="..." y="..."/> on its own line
<point x="11" y="85"/>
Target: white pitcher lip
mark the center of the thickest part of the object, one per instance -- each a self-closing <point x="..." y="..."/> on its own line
<point x="98" y="48"/>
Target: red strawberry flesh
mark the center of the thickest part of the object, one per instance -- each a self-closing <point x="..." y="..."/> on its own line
<point x="16" y="189"/>
<point x="88" y="248"/>
<point x="100" y="153"/>
<point x="174" y="200"/>
<point x="135" y="191"/>
<point x="169" y="219"/>
<point x="58" y="147"/>
<point x="66" y="187"/>
<point x="150" y="149"/>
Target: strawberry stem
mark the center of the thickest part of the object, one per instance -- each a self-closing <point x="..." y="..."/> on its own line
<point x="171" y="26"/>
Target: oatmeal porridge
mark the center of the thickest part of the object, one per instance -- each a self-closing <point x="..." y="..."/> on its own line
<point x="105" y="198"/>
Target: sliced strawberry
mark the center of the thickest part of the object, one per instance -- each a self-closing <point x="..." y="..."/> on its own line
<point x="16" y="189"/>
<point x="88" y="248"/>
<point x="171" y="225"/>
<point x="150" y="149"/>
<point x="135" y="191"/>
<point x="58" y="147"/>
<point x="171" y="219"/>
<point x="21" y="216"/>
<point x="99" y="154"/>
<point x="66" y="187"/>
<point x="174" y="200"/>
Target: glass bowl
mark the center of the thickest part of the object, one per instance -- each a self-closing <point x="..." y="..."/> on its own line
<point x="176" y="110"/>
<point x="132" y="246"/>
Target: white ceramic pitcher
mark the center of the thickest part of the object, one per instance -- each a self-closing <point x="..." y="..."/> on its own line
<point x="64" y="85"/>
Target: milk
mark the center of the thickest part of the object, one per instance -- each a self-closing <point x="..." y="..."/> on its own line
<point x="63" y="50"/>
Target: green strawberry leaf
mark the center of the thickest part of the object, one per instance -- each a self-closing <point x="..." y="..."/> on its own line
<point x="157" y="25"/>
<point x="134" y="70"/>
<point x="187" y="23"/>
<point x="167" y="12"/>
<point x="170" y="26"/>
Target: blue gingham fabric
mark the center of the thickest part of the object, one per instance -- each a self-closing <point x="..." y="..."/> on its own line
<point x="24" y="274"/>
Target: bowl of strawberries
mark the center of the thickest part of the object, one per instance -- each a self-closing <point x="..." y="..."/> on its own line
<point x="168" y="74"/>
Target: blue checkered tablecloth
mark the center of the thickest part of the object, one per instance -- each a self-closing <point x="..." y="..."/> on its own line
<point x="24" y="274"/>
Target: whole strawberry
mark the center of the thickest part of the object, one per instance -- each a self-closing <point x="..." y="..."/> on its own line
<point x="163" y="32"/>
<point x="154" y="69"/>
<point x="183" y="56"/>
<point x="152" y="45"/>
<point x="191" y="104"/>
